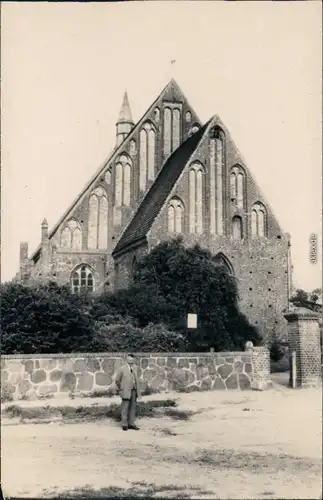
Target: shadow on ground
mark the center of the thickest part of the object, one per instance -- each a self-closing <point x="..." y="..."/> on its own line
<point x="143" y="490"/>
<point x="147" y="409"/>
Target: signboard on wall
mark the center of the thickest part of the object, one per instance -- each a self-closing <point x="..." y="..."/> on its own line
<point x="191" y="320"/>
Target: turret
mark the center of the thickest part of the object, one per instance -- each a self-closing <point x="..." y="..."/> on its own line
<point x="44" y="246"/>
<point x="124" y="124"/>
<point x="44" y="232"/>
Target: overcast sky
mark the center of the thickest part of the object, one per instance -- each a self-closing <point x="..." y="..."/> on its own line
<point x="65" y="68"/>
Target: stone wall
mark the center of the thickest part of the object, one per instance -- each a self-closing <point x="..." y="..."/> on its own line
<point x="34" y="376"/>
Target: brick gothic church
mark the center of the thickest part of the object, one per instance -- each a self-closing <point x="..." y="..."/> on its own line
<point x="168" y="175"/>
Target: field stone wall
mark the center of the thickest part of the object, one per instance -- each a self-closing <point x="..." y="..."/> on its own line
<point x="39" y="376"/>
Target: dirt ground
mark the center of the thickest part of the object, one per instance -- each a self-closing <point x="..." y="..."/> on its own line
<point x="236" y="445"/>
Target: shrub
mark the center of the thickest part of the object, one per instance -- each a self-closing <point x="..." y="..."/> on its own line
<point x="43" y="319"/>
<point x="277" y="351"/>
<point x="121" y="335"/>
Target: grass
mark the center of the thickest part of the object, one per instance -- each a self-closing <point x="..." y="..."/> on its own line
<point x="140" y="489"/>
<point x="271" y="463"/>
<point x="153" y="408"/>
<point x="107" y="393"/>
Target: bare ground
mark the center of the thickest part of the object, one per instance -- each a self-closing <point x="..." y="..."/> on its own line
<point x="236" y="445"/>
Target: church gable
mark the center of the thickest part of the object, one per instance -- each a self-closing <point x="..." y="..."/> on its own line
<point x="127" y="174"/>
<point x="164" y="126"/>
<point x="216" y="195"/>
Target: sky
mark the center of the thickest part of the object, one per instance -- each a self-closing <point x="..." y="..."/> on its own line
<point x="66" y="66"/>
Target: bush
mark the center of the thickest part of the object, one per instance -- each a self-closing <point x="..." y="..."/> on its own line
<point x="117" y="334"/>
<point x="277" y="351"/>
<point x="43" y="319"/>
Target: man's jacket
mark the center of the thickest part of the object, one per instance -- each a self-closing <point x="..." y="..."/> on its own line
<point x="124" y="381"/>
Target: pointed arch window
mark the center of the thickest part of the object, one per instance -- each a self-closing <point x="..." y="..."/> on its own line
<point x="233" y="186"/>
<point x="66" y="238"/>
<point x="237" y="186"/>
<point x="98" y="219"/>
<point x="258" y="220"/>
<point x="176" y="129"/>
<point x="172" y="129"/>
<point x="167" y="131"/>
<point x="123" y="170"/>
<point x="147" y="155"/>
<point x="82" y="279"/>
<point x="221" y="260"/>
<point x="175" y="216"/>
<point x="188" y="116"/>
<point x="237" y="232"/>
<point x="196" y="198"/>
<point x="71" y="235"/>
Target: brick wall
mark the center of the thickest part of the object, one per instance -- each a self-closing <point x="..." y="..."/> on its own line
<point x="304" y="339"/>
<point x="33" y="376"/>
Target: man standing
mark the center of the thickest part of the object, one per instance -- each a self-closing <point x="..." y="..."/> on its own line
<point x="126" y="381"/>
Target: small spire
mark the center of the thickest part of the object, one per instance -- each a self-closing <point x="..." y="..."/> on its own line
<point x="125" y="112"/>
<point x="172" y="70"/>
<point x="44" y="223"/>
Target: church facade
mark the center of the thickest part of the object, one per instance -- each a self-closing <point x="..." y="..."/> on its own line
<point x="170" y="175"/>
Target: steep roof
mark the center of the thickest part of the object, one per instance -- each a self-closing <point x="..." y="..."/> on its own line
<point x="125" y="111"/>
<point x="156" y="196"/>
<point x="173" y="86"/>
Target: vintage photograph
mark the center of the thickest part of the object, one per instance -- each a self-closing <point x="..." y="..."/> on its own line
<point x="161" y="250"/>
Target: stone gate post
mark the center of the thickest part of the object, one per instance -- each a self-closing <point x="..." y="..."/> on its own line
<point x="304" y="339"/>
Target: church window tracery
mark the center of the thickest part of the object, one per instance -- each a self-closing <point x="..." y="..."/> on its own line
<point x="258" y="220"/>
<point x="147" y="155"/>
<point x="172" y="129"/>
<point x="175" y="216"/>
<point x="196" y="198"/>
<point x="98" y="219"/>
<point x="237" y="186"/>
<point x="82" y="279"/>
<point x="71" y="235"/>
<point x="123" y="180"/>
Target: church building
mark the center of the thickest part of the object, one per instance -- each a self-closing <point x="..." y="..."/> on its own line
<point x="169" y="175"/>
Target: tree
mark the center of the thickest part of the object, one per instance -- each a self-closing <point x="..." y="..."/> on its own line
<point x="305" y="299"/>
<point x="172" y="281"/>
<point x="44" y="319"/>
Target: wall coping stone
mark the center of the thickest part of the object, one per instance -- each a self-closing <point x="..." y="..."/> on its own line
<point x="123" y="354"/>
<point x="301" y="313"/>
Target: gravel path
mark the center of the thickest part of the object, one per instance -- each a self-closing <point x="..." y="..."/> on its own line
<point x="237" y="445"/>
